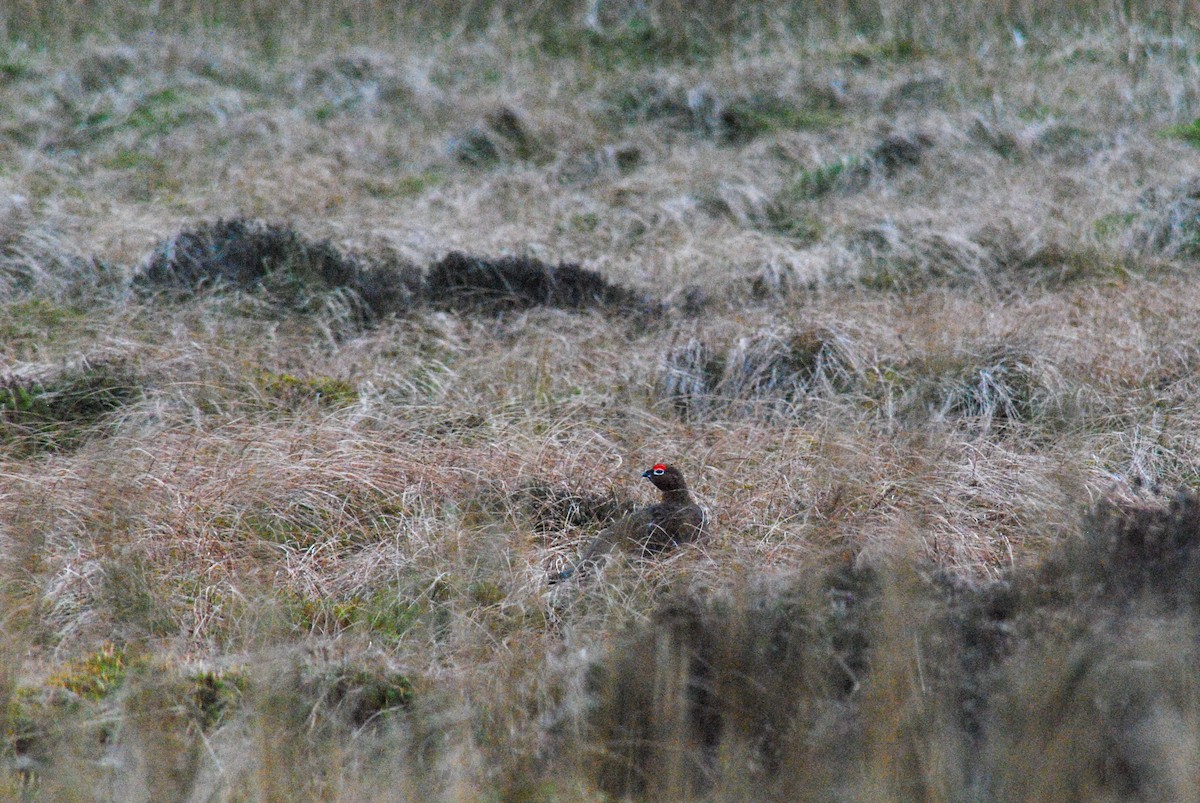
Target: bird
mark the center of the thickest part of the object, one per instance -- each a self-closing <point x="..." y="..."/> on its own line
<point x="650" y="530"/>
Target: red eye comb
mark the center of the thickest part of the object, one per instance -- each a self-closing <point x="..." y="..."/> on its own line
<point x="659" y="467"/>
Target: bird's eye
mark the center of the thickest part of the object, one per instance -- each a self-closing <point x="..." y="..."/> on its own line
<point x="659" y="471"/>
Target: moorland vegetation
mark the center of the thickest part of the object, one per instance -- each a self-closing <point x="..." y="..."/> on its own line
<point x="329" y="330"/>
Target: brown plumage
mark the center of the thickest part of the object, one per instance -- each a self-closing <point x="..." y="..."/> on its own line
<point x="673" y="521"/>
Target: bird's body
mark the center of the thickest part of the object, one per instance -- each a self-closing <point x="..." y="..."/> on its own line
<point x="673" y="521"/>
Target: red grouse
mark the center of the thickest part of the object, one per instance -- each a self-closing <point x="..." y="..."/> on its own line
<point x="673" y="521"/>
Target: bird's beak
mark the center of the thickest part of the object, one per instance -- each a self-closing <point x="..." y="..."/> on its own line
<point x="646" y="473"/>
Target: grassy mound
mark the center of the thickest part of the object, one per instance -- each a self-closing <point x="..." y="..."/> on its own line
<point x="466" y="283"/>
<point x="292" y="271"/>
<point x="1168" y="222"/>
<point x="773" y="370"/>
<point x="59" y="408"/>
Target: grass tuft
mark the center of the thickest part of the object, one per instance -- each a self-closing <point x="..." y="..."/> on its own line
<point x="1168" y="222"/>
<point x="95" y="677"/>
<point x="62" y="407"/>
<point x="463" y="282"/>
<point x="766" y="372"/>
<point x="1186" y="132"/>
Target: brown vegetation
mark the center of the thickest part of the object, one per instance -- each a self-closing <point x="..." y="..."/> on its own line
<point x="326" y="330"/>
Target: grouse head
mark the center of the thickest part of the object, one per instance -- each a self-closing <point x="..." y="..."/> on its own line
<point x="665" y="478"/>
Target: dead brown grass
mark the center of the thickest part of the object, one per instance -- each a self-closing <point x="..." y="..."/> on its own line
<point x="904" y="295"/>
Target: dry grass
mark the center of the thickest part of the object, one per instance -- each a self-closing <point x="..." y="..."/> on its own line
<point x="327" y="330"/>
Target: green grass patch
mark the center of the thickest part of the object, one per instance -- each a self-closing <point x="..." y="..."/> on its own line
<point x="12" y="71"/>
<point x="137" y="598"/>
<point x="130" y="159"/>
<point x="636" y="43"/>
<point x="794" y="222"/>
<point x="159" y="113"/>
<point x="1037" y="112"/>
<point x="96" y="676"/>
<point x="315" y="614"/>
<point x="215" y="693"/>
<point x="375" y="692"/>
<point x="485" y="593"/>
<point x="96" y="119"/>
<point x="386" y="614"/>
<point x="1113" y="225"/>
<point x="328" y="111"/>
<point x="1186" y="132"/>
<point x="293" y="391"/>
<point x="57" y="411"/>
<point x="789" y="213"/>
<point x="417" y="183"/>
<point x="407" y="186"/>
<point x="300" y="529"/>
<point x="897" y="50"/>
<point x="824" y="179"/>
<point x="584" y="223"/>
<point x="1058" y="267"/>
<point x="747" y="118"/>
<point x="37" y="320"/>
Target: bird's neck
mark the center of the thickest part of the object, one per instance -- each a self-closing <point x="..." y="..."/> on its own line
<point x="679" y="496"/>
